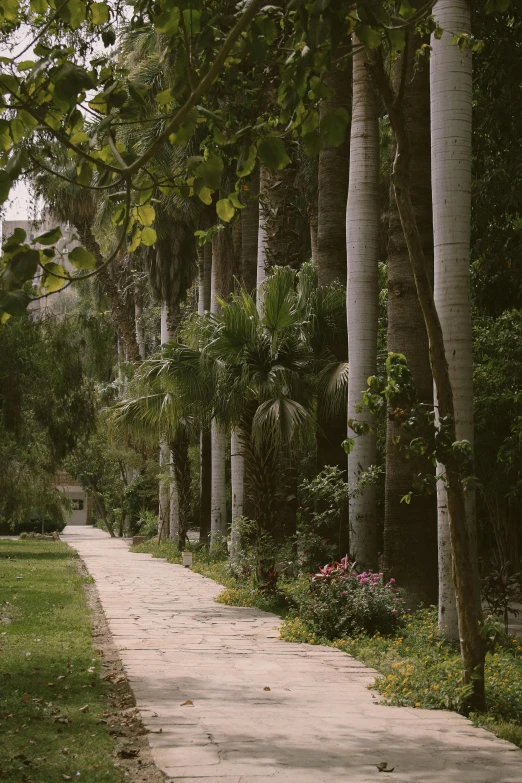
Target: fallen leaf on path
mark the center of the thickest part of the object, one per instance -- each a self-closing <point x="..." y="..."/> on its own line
<point x="128" y="753"/>
<point x="85" y="708"/>
<point x="383" y="767"/>
<point x="187" y="703"/>
<point x="66" y="777"/>
<point x="266" y="688"/>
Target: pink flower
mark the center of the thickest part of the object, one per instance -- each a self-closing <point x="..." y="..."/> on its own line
<point x="394" y="611"/>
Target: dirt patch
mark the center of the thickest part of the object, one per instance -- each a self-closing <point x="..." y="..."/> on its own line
<point x="123" y="719"/>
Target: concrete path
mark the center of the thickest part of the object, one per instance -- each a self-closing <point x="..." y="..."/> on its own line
<point x="236" y="705"/>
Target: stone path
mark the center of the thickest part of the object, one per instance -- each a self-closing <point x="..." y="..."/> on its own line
<point x="263" y="709"/>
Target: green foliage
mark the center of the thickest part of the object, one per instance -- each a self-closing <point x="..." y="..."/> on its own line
<point x="46" y="406"/>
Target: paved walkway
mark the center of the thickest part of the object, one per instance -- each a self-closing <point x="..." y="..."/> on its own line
<point x="260" y="709"/>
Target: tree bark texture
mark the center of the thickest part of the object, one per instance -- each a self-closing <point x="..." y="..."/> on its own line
<point x="182" y="482"/>
<point x="465" y="571"/>
<point x="205" y="484"/>
<point x="410" y="531"/>
<point x="362" y="239"/>
<point x="334" y="167"/>
<point x="249" y="234"/>
<point x="237" y="472"/>
<point x="451" y="104"/>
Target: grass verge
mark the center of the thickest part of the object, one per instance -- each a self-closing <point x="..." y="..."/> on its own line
<point x="418" y="668"/>
<point x="52" y="697"/>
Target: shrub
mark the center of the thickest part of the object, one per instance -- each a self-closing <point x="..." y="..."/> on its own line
<point x="148" y="523"/>
<point x="340" y="602"/>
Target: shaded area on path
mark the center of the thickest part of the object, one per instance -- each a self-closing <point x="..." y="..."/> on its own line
<point x="317" y="721"/>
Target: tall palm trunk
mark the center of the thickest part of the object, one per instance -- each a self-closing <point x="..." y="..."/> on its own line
<point x="249" y="235"/>
<point x="362" y="240"/>
<point x="451" y="102"/>
<point x="182" y="483"/>
<point x="138" y="319"/>
<point x="410" y="531"/>
<point x="465" y="571"/>
<point x="221" y="285"/>
<point x="167" y="510"/>
<point x="330" y="256"/>
<point x="205" y="460"/>
<point x="237" y="473"/>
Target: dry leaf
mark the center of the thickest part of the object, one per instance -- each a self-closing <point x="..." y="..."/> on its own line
<point x="187" y="703"/>
<point x="383" y="767"/>
<point x="84" y="708"/>
<point x="266" y="688"/>
<point x="66" y="777"/>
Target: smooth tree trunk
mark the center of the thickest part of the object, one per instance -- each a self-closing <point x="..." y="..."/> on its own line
<point x="362" y="242"/>
<point x="138" y="320"/>
<point x="249" y="235"/>
<point x="333" y="173"/>
<point x="221" y="286"/>
<point x="164" y="493"/>
<point x="237" y="473"/>
<point x="451" y="105"/>
<point x="182" y="483"/>
<point x="410" y="530"/>
<point x="465" y="571"/>
<point x="205" y="462"/>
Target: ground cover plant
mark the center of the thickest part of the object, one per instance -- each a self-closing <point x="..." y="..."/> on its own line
<point x="52" y="697"/>
<point x="417" y="666"/>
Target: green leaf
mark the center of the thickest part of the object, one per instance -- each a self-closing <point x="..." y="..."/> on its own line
<point x="272" y="153"/>
<point x="312" y="144"/>
<point x="14" y="302"/>
<point x="397" y="40"/>
<point x="50" y="237"/>
<point x="219" y="137"/>
<point x="497" y="5"/>
<point x="5" y="185"/>
<point x="82" y="259"/>
<point x="225" y="210"/>
<point x="148" y="236"/>
<point x="145" y="214"/>
<point x="205" y="195"/>
<point x="79" y="137"/>
<point x="17" y="162"/>
<point x="234" y="199"/>
<point x="168" y="22"/>
<point x="333" y="127"/>
<point x="24" y="265"/>
<point x="192" y="21"/>
<point x="246" y="161"/>
<point x="370" y="36"/>
<point x="164" y="97"/>
<point x="85" y="174"/>
<point x="99" y="13"/>
<point x="38" y="6"/>
<point x="135" y="239"/>
<point x="406" y="9"/>
<point x="52" y="283"/>
<point x="210" y="172"/>
<point x="185" y="131"/>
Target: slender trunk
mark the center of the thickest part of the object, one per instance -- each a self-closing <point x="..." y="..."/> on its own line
<point x="451" y="103"/>
<point x="334" y="167"/>
<point x="221" y="285"/>
<point x="138" y="320"/>
<point x="313" y="218"/>
<point x="362" y="239"/>
<point x="465" y="571"/>
<point x="174" y="499"/>
<point x="205" y="485"/>
<point x="410" y="531"/>
<point x="237" y="471"/>
<point x="249" y="234"/>
<point x="182" y="483"/>
<point x="164" y="494"/>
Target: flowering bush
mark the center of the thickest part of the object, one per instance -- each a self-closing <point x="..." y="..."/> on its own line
<point x="339" y="602"/>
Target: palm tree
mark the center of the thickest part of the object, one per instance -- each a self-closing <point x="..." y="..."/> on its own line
<point x="451" y="103"/>
<point x="410" y="531"/>
<point x="362" y="240"/>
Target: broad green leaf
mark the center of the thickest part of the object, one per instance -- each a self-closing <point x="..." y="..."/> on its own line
<point x="17" y="237"/>
<point x="246" y="161"/>
<point x="135" y="239"/>
<point x="234" y="200"/>
<point x="50" y="237"/>
<point x="28" y="120"/>
<point x="397" y="40"/>
<point x="333" y="127"/>
<point x="219" y="137"/>
<point x="192" y="21"/>
<point x="312" y="144"/>
<point x="225" y="209"/>
<point x="85" y="173"/>
<point x="406" y="9"/>
<point x="272" y="153"/>
<point x="82" y="259"/>
<point x="143" y="196"/>
<point x="210" y="172"/>
<point x="9" y="10"/>
<point x="5" y="185"/>
<point x="17" y="162"/>
<point x="164" y="97"/>
<point x="79" y="137"/>
<point x="184" y="133"/>
<point x="497" y="5"/>
<point x="168" y="22"/>
<point x="25" y="65"/>
<point x="14" y="302"/>
<point x="145" y="214"/>
<point x="205" y="195"/>
<point x="38" y="6"/>
<point x="72" y="12"/>
<point x="24" y="265"/>
<point x="148" y="236"/>
<point x="52" y="283"/>
<point x="370" y="36"/>
<point x="99" y="13"/>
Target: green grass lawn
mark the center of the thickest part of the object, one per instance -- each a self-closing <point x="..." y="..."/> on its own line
<point x="51" y="693"/>
<point x="418" y="668"/>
